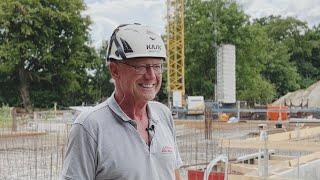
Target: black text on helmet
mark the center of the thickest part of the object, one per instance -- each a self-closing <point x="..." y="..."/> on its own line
<point x="153" y="47"/>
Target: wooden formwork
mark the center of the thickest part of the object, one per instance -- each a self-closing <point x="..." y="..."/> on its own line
<point x="21" y="133"/>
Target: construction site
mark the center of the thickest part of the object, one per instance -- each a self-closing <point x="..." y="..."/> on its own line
<point x="234" y="141"/>
<point x="218" y="139"/>
<point x="213" y="146"/>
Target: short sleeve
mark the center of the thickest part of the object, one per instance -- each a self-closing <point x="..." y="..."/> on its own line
<point x="178" y="163"/>
<point x="80" y="158"/>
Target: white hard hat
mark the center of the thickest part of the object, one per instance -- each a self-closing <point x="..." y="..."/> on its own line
<point x="135" y="40"/>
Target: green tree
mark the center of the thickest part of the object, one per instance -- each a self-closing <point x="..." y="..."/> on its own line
<point x="210" y="23"/>
<point x="102" y="81"/>
<point x="314" y="36"/>
<point x="274" y="55"/>
<point x="308" y="59"/>
<point x="292" y="36"/>
<point x="202" y="18"/>
<point x="43" y="50"/>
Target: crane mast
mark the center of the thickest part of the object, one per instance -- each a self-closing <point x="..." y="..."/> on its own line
<point x="175" y="46"/>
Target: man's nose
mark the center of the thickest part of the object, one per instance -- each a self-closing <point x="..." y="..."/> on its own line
<point x="150" y="72"/>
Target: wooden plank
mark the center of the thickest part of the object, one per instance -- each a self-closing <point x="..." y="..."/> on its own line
<point x="279" y="145"/>
<point x="302" y="134"/>
<point x="21" y="133"/>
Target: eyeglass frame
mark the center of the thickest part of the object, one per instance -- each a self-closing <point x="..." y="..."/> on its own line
<point x="145" y="66"/>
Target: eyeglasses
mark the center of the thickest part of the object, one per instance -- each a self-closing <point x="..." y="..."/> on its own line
<point x="142" y="69"/>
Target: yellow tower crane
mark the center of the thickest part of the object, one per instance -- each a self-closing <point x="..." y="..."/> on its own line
<point x="175" y="46"/>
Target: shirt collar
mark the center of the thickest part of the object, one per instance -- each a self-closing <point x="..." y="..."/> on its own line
<point x="153" y="117"/>
<point x="114" y="106"/>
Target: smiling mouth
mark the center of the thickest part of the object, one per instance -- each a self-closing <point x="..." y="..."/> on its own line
<point x="147" y="85"/>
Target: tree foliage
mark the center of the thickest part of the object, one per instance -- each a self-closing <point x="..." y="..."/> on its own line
<point x="200" y="40"/>
<point x="274" y="55"/>
<point x="44" y="53"/>
<point x="210" y="23"/>
<point x="296" y="65"/>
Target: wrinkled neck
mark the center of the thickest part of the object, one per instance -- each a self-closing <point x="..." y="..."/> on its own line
<point x="133" y="109"/>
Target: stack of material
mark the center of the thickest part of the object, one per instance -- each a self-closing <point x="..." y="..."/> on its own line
<point x="309" y="97"/>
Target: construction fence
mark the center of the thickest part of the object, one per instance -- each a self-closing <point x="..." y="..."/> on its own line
<point x="32" y="145"/>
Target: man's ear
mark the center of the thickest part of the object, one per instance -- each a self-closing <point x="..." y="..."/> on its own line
<point x="114" y="70"/>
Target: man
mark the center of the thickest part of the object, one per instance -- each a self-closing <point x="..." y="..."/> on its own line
<point x="129" y="136"/>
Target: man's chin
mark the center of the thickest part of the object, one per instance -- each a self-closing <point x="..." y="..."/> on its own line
<point x="149" y="97"/>
<point x="146" y="95"/>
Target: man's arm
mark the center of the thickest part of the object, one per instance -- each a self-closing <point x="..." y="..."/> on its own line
<point x="79" y="162"/>
<point x="177" y="174"/>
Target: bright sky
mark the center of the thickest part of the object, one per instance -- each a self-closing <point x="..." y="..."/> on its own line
<point x="108" y="14"/>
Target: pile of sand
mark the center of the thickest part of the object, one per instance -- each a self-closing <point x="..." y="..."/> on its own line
<point x="309" y="97"/>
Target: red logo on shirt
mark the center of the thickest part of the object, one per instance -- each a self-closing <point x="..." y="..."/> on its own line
<point x="167" y="149"/>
